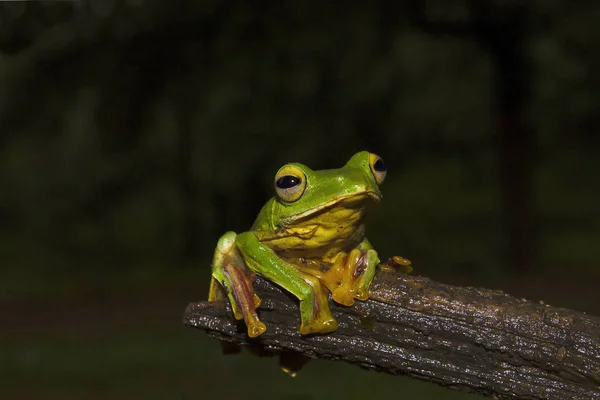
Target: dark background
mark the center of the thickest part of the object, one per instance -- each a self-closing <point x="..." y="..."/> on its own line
<point x="134" y="133"/>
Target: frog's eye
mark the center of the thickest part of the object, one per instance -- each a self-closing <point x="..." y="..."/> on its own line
<point x="378" y="168"/>
<point x="290" y="183"/>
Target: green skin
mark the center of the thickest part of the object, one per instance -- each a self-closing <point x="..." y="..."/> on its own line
<point x="324" y="225"/>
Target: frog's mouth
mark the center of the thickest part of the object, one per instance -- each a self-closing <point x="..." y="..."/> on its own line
<point x="355" y="201"/>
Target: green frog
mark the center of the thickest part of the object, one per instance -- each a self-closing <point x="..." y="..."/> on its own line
<point x="309" y="239"/>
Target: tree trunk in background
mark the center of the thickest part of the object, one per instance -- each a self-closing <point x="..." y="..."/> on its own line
<point x="506" y="41"/>
<point x="516" y="180"/>
<point x="186" y="187"/>
<point x="501" y="31"/>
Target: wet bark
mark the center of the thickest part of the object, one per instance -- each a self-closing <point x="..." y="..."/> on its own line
<point x="469" y="339"/>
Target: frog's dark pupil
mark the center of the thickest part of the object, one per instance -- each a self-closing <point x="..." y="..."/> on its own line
<point x="379" y="165"/>
<point x="287" y="181"/>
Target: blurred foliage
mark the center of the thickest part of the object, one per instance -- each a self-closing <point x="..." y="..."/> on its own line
<point x="132" y="129"/>
<point x="97" y="96"/>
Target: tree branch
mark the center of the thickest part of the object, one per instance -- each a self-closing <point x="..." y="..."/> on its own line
<point x="470" y="339"/>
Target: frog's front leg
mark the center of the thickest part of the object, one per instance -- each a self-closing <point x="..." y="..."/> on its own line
<point x="351" y="274"/>
<point x="236" y="280"/>
<point x="314" y="308"/>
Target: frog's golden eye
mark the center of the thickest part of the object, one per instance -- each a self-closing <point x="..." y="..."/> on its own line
<point x="378" y="168"/>
<point x="290" y="183"/>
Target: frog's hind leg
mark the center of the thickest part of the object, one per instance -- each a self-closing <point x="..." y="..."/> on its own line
<point x="368" y="264"/>
<point x="346" y="270"/>
<point x="353" y="272"/>
<point x="235" y="280"/>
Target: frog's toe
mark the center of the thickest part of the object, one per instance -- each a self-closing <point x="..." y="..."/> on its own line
<point x="256" y="329"/>
<point x="344" y="296"/>
<point x="306" y="329"/>
<point x="329" y="325"/>
<point x="362" y="295"/>
<point x="237" y="314"/>
<point x="401" y="260"/>
<point x="292" y="361"/>
<point x="397" y="263"/>
<point x="331" y="282"/>
<point x="325" y="326"/>
<point x="257" y="301"/>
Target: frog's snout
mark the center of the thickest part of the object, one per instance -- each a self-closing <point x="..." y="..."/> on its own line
<point x="374" y="195"/>
<point x="365" y="191"/>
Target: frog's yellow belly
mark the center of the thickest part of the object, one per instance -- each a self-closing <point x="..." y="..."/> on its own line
<point x="320" y="237"/>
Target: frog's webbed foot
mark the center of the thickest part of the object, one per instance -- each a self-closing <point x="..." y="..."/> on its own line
<point x="291" y="361"/>
<point x="397" y="263"/>
<point x="236" y="281"/>
<point x="350" y="276"/>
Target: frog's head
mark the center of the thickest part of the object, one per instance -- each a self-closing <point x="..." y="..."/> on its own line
<point x="302" y="192"/>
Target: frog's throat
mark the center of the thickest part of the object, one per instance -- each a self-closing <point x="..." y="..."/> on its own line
<point x="359" y="196"/>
